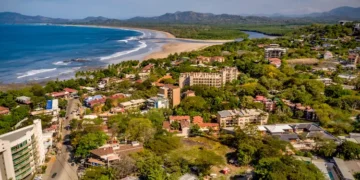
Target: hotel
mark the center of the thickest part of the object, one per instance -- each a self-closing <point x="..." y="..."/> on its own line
<point x="22" y="152"/>
<point x="218" y="79"/>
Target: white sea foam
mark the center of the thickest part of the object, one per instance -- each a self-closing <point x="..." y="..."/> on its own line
<point x="61" y="63"/>
<point x="34" y="72"/>
<point x="118" y="54"/>
<point x="69" y="71"/>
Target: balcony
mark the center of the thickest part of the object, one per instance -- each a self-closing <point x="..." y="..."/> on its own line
<point x="23" y="164"/>
<point x="17" y="150"/>
<point x="19" y="154"/>
<point x="28" y="156"/>
<point x="23" y="173"/>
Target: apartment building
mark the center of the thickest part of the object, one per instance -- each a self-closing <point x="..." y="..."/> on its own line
<point x="218" y="79"/>
<point x="172" y="93"/>
<point x="133" y="104"/>
<point x="231" y="118"/>
<point x="22" y="152"/>
<point x="157" y="102"/>
<point x="204" y="59"/>
<point x="274" y="51"/>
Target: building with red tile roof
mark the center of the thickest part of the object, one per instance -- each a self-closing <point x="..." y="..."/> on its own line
<point x="4" y="110"/>
<point x="70" y="91"/>
<point x="61" y="94"/>
<point x="179" y="118"/>
<point x="275" y="61"/>
<point x="198" y="120"/>
<point x="147" y="69"/>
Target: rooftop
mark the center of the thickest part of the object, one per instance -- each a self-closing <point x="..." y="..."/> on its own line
<point x="103" y="151"/>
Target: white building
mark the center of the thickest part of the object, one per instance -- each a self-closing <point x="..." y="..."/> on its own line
<point x="21" y="152"/>
<point x="157" y="102"/>
<point x="231" y="118"/>
<point x="133" y="104"/>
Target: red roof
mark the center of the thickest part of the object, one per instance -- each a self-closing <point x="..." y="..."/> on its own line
<point x="97" y="101"/>
<point x="260" y="98"/>
<point x="59" y="94"/>
<point x="179" y="118"/>
<point x="4" y="110"/>
<point x="103" y="151"/>
<point x="275" y="60"/>
<point x="166" y="125"/>
<point x="117" y="96"/>
<point x="200" y="122"/>
<point x="69" y="90"/>
<point x="148" y="67"/>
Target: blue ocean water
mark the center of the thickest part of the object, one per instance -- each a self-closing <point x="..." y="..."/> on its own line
<point x="40" y="52"/>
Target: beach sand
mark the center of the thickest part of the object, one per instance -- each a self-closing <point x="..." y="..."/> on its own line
<point x="172" y="48"/>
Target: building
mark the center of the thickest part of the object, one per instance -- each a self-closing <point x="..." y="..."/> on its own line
<point x="274" y="51"/>
<point x="326" y="81"/>
<point x="157" y="102"/>
<point x="71" y="91"/>
<point x="91" y="101"/>
<point x="219" y="79"/>
<point x="231" y="118"/>
<point x="172" y="93"/>
<point x="328" y="55"/>
<point x="353" y="59"/>
<point x="269" y="105"/>
<point x="23" y="99"/>
<point x="343" y="169"/>
<point x="133" y="104"/>
<point x="22" y="152"/>
<point x="308" y="112"/>
<point x="61" y="94"/>
<point x="147" y="69"/>
<point x="184" y="125"/>
<point x="4" y="110"/>
<point x="188" y="93"/>
<point x="204" y="59"/>
<point x="275" y="61"/>
<point x="198" y="120"/>
<point x="104" y="153"/>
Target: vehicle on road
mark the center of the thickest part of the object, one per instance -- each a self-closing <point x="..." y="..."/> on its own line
<point x="53" y="175"/>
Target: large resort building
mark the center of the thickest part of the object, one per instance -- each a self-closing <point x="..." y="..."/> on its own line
<point x="172" y="93"/>
<point x="22" y="152"/>
<point x="232" y="118"/>
<point x="218" y="79"/>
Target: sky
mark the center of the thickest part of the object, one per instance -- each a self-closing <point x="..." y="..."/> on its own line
<point x="122" y="9"/>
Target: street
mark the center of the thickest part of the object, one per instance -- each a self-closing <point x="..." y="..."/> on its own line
<point x="62" y="165"/>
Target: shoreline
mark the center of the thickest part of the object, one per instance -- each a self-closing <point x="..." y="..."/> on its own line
<point x="159" y="44"/>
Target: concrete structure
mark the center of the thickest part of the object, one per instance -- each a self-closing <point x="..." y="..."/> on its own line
<point x="22" y="152"/>
<point x="231" y="118"/>
<point x="172" y="93"/>
<point x="157" y="102"/>
<point x="204" y="59"/>
<point x="274" y="51"/>
<point x="133" y="104"/>
<point x="219" y="79"/>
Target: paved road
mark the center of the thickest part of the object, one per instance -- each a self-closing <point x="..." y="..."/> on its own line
<point x="62" y="166"/>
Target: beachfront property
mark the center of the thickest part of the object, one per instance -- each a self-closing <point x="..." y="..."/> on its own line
<point x="219" y="79"/>
<point x="232" y="118"/>
<point x="157" y="102"/>
<point x="133" y="104"/>
<point x="274" y="51"/>
<point x="172" y="93"/>
<point x="22" y="152"/>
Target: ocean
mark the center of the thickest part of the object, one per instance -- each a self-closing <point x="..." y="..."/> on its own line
<point x="42" y="52"/>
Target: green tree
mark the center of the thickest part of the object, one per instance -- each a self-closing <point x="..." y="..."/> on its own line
<point x="89" y="142"/>
<point x="140" y="129"/>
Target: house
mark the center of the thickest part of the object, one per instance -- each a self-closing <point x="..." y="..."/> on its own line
<point x="62" y="94"/>
<point x="95" y="162"/>
<point x="326" y="81"/>
<point x="279" y="129"/>
<point x="308" y="112"/>
<point x="345" y="169"/>
<point x="105" y="153"/>
<point x="133" y="104"/>
<point x="157" y="102"/>
<point x="204" y="59"/>
<point x="23" y="100"/>
<point x="353" y="59"/>
<point x="269" y="105"/>
<point x="4" y="110"/>
<point x="274" y="51"/>
<point x="198" y="120"/>
<point x="328" y="55"/>
<point x="188" y="93"/>
<point x="231" y="118"/>
<point x="117" y="96"/>
<point x="288" y="137"/>
<point x="91" y="101"/>
<point x="147" y="68"/>
<point x="275" y="61"/>
<point x="184" y="125"/>
<point x="301" y="128"/>
<point x="71" y="91"/>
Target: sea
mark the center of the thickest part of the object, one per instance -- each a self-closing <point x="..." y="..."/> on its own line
<point x="41" y="52"/>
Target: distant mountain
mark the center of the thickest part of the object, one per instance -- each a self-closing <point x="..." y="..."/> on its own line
<point x="340" y="13"/>
<point x="10" y="17"/>
<point x="190" y="17"/>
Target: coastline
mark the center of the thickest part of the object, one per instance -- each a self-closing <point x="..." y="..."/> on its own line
<point x="158" y="44"/>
